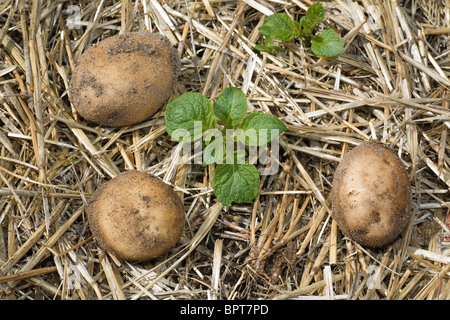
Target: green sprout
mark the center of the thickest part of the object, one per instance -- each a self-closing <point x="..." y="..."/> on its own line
<point x="220" y="127"/>
<point x="280" y="26"/>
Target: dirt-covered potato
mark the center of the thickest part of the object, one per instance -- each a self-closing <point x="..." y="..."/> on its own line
<point x="136" y="216"/>
<point x="124" y="79"/>
<point x="371" y="195"/>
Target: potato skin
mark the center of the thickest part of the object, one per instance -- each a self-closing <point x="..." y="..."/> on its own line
<point x="371" y="195"/>
<point x="136" y="216"/>
<point x="124" y="79"/>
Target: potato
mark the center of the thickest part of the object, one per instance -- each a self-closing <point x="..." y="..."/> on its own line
<point x="124" y="79"/>
<point x="371" y="195"/>
<point x="136" y="216"/>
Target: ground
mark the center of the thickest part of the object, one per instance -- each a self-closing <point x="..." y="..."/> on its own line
<point x="390" y="84"/>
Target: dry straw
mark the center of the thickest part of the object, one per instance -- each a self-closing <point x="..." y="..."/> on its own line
<point x="391" y="84"/>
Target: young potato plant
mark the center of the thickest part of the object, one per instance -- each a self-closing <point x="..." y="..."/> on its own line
<point x="217" y="129"/>
<point x="279" y="26"/>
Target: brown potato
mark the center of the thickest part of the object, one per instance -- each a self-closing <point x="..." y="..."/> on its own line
<point x="124" y="79"/>
<point x="136" y="216"/>
<point x="371" y="195"/>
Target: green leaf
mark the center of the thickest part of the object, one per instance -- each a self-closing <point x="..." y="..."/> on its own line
<point x="298" y="29"/>
<point x="214" y="150"/>
<point x="279" y="26"/>
<point x="262" y="48"/>
<point x="306" y="28"/>
<point x="238" y="183"/>
<point x="260" y="128"/>
<point x="231" y="106"/>
<point x="189" y="116"/>
<point x="270" y="46"/>
<point x="327" y="44"/>
<point x="315" y="14"/>
<point x="267" y="47"/>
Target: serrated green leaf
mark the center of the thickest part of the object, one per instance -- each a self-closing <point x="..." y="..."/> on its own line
<point x="315" y="13"/>
<point x="260" y="128"/>
<point x="186" y="113"/>
<point x="231" y="106"/>
<point x="278" y="26"/>
<point x="238" y="183"/>
<point x="327" y="44"/>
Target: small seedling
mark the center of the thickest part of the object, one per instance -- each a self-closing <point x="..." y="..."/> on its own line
<point x="219" y="127"/>
<point x="280" y="26"/>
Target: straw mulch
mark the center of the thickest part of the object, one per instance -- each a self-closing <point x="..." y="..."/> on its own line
<point x="391" y="84"/>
